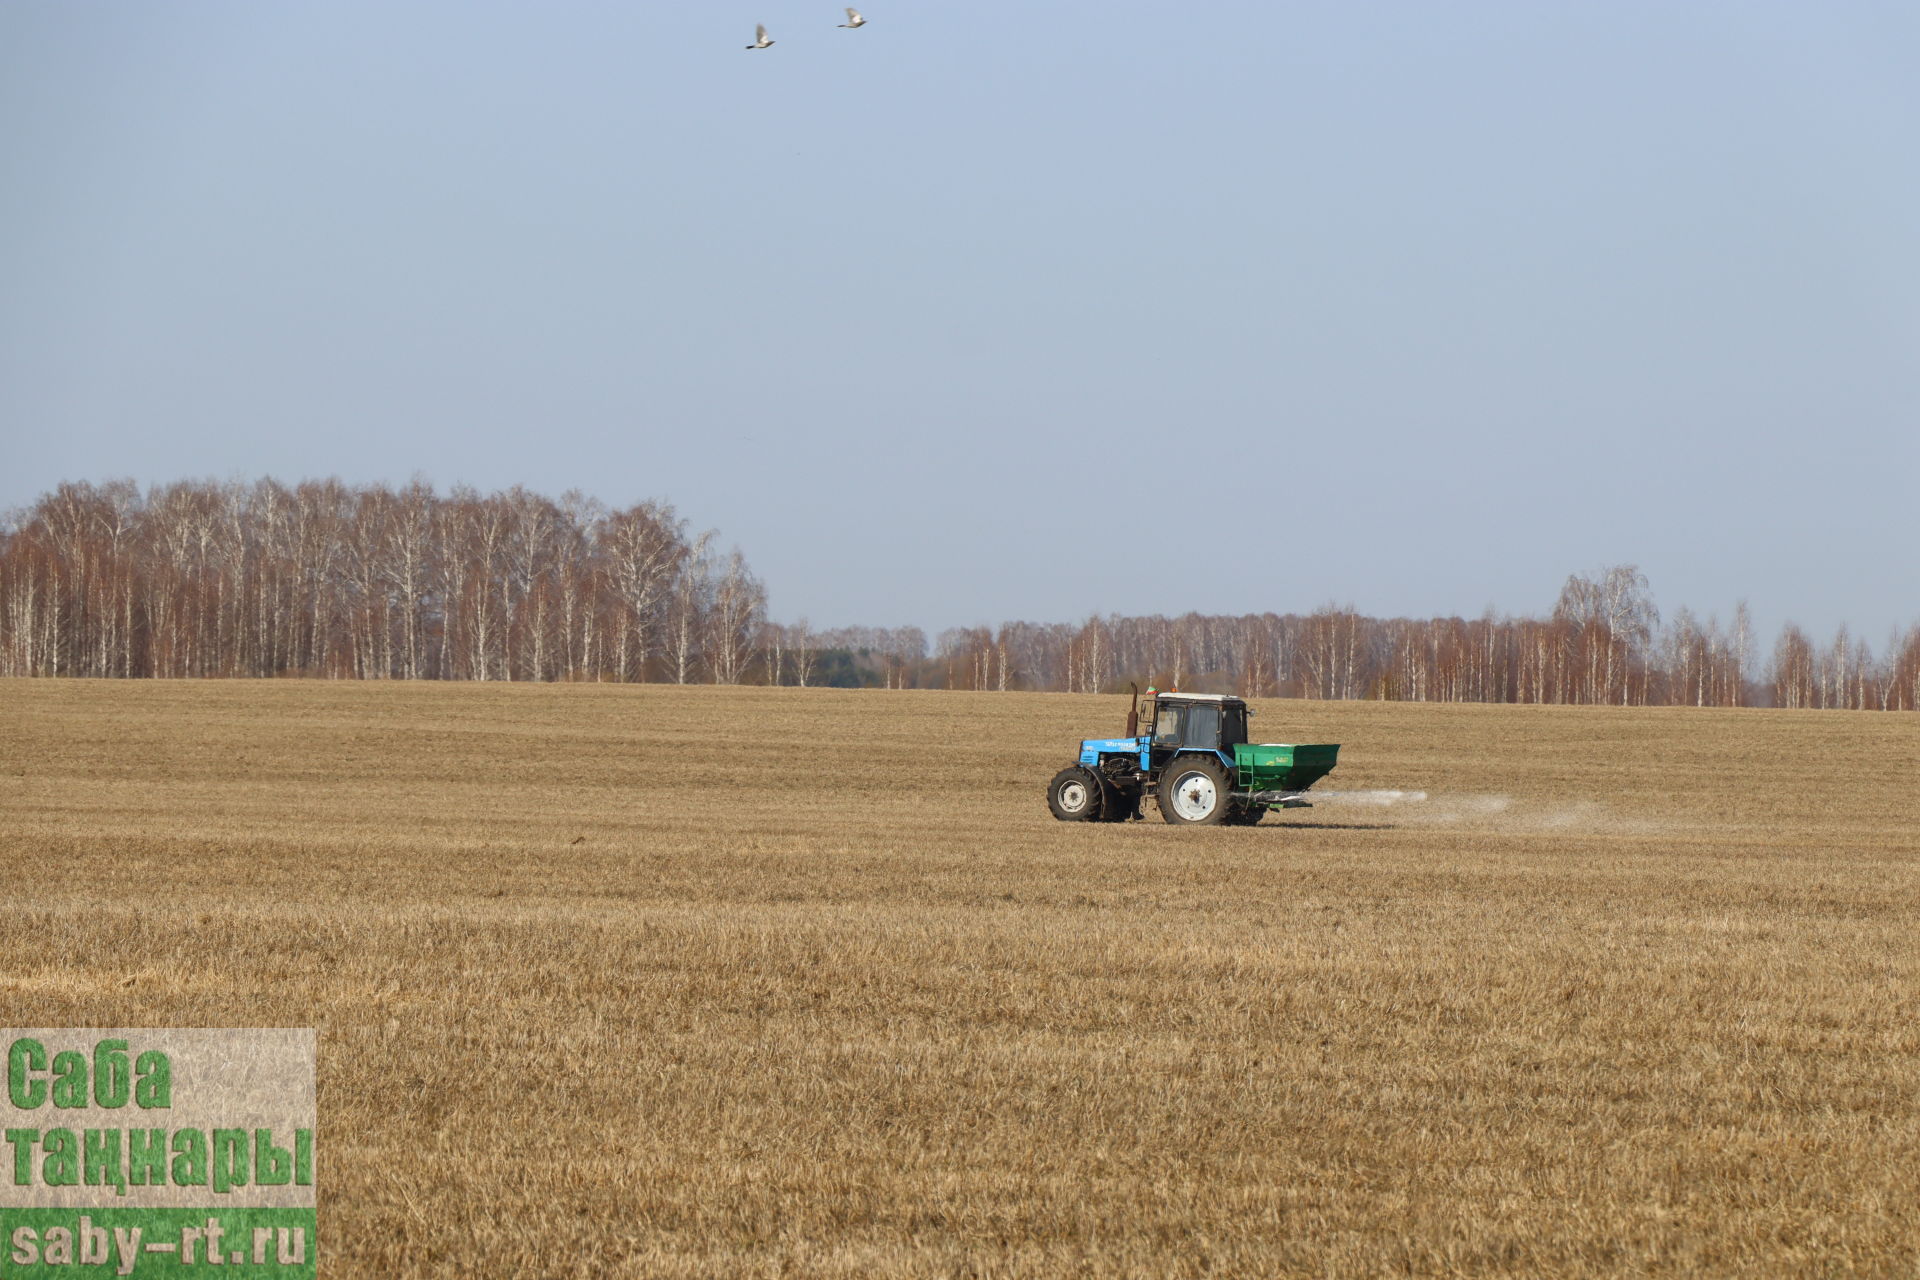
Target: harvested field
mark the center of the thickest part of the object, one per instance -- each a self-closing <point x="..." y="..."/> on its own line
<point x="651" y="981"/>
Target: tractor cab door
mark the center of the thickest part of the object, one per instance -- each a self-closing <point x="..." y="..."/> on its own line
<point x="1203" y="726"/>
<point x="1169" y="729"/>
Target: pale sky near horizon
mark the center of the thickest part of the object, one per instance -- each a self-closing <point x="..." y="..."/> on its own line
<point x="996" y="310"/>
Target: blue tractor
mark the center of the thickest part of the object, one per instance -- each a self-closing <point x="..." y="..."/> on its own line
<point x="1194" y="760"/>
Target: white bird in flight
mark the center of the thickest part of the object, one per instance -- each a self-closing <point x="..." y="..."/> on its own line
<point x="854" y="19"/>
<point x="760" y="40"/>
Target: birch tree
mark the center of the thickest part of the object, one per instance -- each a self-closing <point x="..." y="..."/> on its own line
<point x="736" y="612"/>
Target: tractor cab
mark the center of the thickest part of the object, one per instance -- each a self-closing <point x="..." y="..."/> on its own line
<point x="1194" y="722"/>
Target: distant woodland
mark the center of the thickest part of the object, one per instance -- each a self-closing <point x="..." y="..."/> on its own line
<point x="321" y="579"/>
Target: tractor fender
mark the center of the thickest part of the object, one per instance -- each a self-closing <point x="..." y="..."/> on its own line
<point x="1221" y="756"/>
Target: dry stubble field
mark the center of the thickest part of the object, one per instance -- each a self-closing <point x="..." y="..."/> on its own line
<point x="703" y="982"/>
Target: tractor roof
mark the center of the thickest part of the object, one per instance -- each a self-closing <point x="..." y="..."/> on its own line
<point x="1198" y="697"/>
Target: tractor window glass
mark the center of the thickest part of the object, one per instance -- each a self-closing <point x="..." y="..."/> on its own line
<point x="1203" y="726"/>
<point x="1233" y="726"/>
<point x="1167" y="727"/>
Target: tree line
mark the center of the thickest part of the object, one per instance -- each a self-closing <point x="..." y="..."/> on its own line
<point x="1604" y="642"/>
<point x="323" y="579"/>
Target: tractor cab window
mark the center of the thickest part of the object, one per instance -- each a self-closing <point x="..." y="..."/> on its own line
<point x="1203" y="726"/>
<point x="1233" y="726"/>
<point x="1166" y="726"/>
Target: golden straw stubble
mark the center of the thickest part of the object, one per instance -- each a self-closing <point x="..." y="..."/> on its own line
<point x="662" y="981"/>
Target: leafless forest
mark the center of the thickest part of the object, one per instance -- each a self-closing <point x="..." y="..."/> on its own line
<point x="328" y="580"/>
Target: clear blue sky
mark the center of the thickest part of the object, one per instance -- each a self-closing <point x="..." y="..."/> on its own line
<point x="998" y="310"/>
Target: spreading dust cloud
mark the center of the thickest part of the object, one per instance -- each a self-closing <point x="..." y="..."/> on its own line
<point x="1418" y="808"/>
<point x="1380" y="799"/>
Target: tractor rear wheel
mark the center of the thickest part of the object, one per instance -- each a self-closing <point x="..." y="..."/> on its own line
<point x="1194" y="791"/>
<point x="1075" y="795"/>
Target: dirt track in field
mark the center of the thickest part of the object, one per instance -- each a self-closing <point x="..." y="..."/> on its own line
<point x="693" y="982"/>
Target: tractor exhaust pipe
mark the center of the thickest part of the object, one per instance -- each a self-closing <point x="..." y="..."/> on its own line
<point x="1133" y="712"/>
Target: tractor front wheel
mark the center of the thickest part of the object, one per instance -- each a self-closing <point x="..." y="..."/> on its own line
<point x="1194" y="791"/>
<point x="1075" y="795"/>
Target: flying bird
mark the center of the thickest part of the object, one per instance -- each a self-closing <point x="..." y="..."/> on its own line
<point x="760" y="40"/>
<point x="854" y="19"/>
